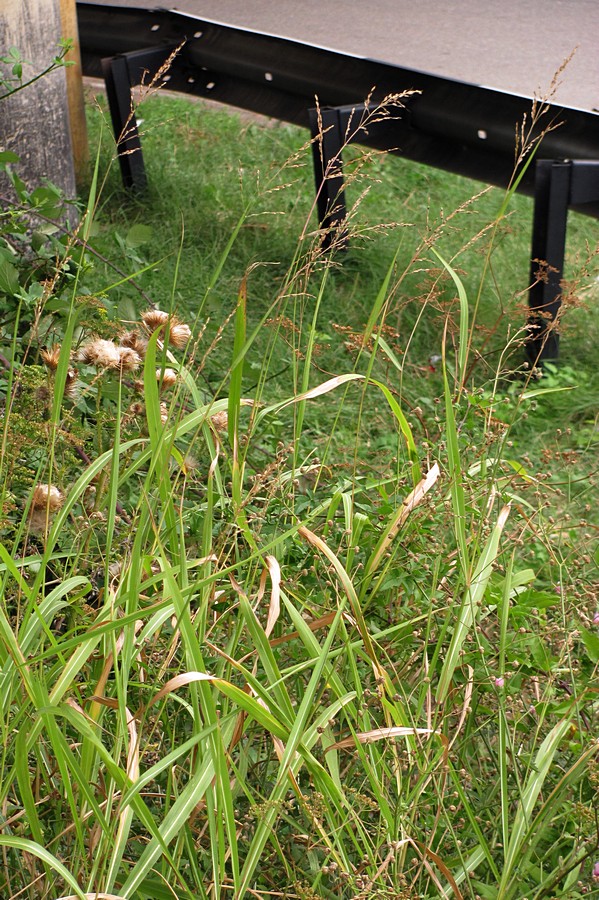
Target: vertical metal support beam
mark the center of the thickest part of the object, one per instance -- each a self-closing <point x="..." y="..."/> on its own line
<point x="552" y="196"/>
<point x="327" y="142"/>
<point x="118" y="90"/>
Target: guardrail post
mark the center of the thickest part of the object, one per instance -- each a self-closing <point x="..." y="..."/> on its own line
<point x="118" y="91"/>
<point x="327" y="142"/>
<point x="552" y="197"/>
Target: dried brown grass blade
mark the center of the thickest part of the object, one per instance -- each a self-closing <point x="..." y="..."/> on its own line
<point x="314" y="625"/>
<point x="274" y="606"/>
<point x="108" y="664"/>
<point x="382" y="734"/>
<point x="411" y="502"/>
<point x="466" y="705"/>
<point x="350" y="592"/>
<point x="173" y="684"/>
<point x="133" y="753"/>
<point x="430" y="854"/>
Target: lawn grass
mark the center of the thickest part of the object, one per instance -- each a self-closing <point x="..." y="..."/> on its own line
<point x="312" y="608"/>
<point x="265" y="167"/>
<point x="207" y="168"/>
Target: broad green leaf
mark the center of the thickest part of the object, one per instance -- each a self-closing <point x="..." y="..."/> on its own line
<point x="138" y="234"/>
<point x="9" y="278"/>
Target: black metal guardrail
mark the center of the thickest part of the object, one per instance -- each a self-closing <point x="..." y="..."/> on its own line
<point x="452" y="125"/>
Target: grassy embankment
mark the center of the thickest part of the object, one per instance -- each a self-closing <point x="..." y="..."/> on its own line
<point x="314" y="608"/>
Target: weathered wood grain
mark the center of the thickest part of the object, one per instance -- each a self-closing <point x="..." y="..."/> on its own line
<point x="34" y="123"/>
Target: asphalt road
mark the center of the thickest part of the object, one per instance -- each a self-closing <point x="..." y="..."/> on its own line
<point x="510" y="45"/>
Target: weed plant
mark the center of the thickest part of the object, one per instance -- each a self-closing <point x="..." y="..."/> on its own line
<point x="299" y="588"/>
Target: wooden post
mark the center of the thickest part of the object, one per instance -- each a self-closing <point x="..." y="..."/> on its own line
<point x="79" y="142"/>
<point x="34" y="122"/>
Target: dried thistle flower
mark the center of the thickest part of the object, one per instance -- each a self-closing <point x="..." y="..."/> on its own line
<point x="136" y="409"/>
<point x="135" y="341"/>
<point x="71" y="380"/>
<point x="166" y="377"/>
<point x="107" y="355"/>
<point x="154" y="318"/>
<point x="39" y="521"/>
<point x="179" y="333"/>
<point x="46" y="496"/>
<point x="129" y="359"/>
<point x="190" y="464"/>
<point x="100" y="353"/>
<point x="220" y="422"/>
<point x="45" y="500"/>
<point x="163" y="413"/>
<point x="51" y="357"/>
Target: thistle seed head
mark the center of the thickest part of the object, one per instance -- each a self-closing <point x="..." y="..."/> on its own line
<point x="154" y="318"/>
<point x="51" y="356"/>
<point x="167" y="377"/>
<point x="135" y="341"/>
<point x="107" y="355"/>
<point x="46" y="496"/>
<point x="220" y="422"/>
<point x="179" y="333"/>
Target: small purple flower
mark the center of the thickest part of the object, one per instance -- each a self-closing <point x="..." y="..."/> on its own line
<point x="596" y="871"/>
<point x="500" y="681"/>
<point x="596" y="619"/>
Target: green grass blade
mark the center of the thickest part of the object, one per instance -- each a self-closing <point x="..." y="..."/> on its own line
<point x="405" y="430"/>
<point x="470" y="605"/>
<point x="236" y="377"/>
<point x="27" y="846"/>
<point x="464" y="319"/>
<point x="532" y="788"/>
<point x="458" y="497"/>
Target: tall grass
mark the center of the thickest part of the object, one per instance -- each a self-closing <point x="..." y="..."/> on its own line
<point x="245" y="650"/>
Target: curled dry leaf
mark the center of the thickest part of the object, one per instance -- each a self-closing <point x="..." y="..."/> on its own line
<point x="466" y="705"/>
<point x="178" y="681"/>
<point x="317" y="391"/>
<point x="428" y="854"/>
<point x="274" y="607"/>
<point x="109" y="662"/>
